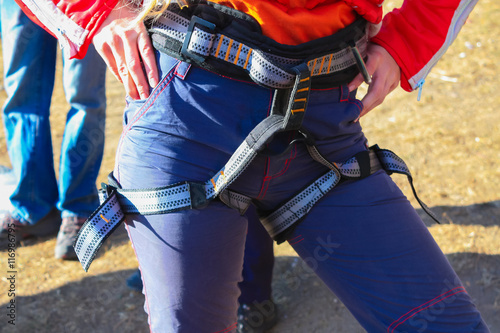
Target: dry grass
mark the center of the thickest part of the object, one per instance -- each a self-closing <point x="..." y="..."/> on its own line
<point x="450" y="140"/>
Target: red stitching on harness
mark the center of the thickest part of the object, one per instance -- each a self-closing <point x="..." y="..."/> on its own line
<point x="227" y="329"/>
<point x="441" y="298"/>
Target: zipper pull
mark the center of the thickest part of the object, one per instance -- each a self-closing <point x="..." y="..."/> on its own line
<point x="420" y="85"/>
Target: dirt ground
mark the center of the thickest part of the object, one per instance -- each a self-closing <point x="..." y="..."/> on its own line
<point x="450" y="140"/>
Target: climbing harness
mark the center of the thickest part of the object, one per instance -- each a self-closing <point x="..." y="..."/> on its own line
<point x="191" y="38"/>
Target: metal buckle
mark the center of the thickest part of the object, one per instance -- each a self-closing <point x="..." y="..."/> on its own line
<point x="184" y="51"/>
<point x="198" y="195"/>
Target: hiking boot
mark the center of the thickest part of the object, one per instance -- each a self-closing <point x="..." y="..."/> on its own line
<point x="66" y="237"/>
<point x="14" y="230"/>
<point x="257" y="317"/>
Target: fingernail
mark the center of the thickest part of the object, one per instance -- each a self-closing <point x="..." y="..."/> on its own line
<point x="153" y="82"/>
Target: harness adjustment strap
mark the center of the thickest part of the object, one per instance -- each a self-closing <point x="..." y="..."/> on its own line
<point x="392" y="163"/>
<point x="235" y="200"/>
<point x="363" y="159"/>
<point x="299" y="97"/>
<point x="278" y="224"/>
<point x="97" y="228"/>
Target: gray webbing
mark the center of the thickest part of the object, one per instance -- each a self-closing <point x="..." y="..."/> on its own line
<point x="192" y="195"/>
<point x="298" y="206"/>
<point x="264" y="68"/>
<point x="394" y="164"/>
<point x="97" y="229"/>
<point x="174" y="197"/>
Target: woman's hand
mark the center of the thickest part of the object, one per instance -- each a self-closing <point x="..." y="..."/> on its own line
<point x="385" y="73"/>
<point x="127" y="50"/>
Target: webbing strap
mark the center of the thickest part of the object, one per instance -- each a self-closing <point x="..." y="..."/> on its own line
<point x="97" y="229"/>
<point x="394" y="164"/>
<point x="357" y="167"/>
<point x="199" y="40"/>
<point x="296" y="208"/>
<point x="360" y="166"/>
<point x="187" y="195"/>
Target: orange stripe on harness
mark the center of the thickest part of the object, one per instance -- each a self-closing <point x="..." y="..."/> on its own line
<point x="228" y="49"/>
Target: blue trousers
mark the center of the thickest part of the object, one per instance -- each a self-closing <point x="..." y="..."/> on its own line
<point x="29" y="62"/>
<point x="258" y="263"/>
<point x="363" y="239"/>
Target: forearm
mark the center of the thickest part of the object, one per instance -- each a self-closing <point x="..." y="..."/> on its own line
<point x="419" y="33"/>
<point x="73" y="23"/>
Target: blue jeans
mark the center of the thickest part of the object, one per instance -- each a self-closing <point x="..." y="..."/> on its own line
<point x="363" y="238"/>
<point x="29" y="55"/>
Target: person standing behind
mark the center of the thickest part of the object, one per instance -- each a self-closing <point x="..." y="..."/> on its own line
<point x="40" y="200"/>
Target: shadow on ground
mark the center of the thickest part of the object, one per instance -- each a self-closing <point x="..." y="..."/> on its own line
<point x="103" y="303"/>
<point x="485" y="214"/>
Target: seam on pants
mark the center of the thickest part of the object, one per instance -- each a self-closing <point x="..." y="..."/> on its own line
<point x="228" y="329"/>
<point x="356" y="102"/>
<point x="424" y="306"/>
<point x="147" y="105"/>
<point x="142" y="278"/>
<point x="296" y="240"/>
<point x="267" y="178"/>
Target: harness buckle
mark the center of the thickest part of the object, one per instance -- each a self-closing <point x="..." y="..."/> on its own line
<point x="198" y="195"/>
<point x="184" y="50"/>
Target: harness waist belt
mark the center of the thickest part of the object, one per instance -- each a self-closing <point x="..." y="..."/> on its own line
<point x="194" y="39"/>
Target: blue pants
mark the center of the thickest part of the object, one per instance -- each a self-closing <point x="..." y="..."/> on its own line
<point x="258" y="262"/>
<point x="29" y="55"/>
<point x="363" y="239"/>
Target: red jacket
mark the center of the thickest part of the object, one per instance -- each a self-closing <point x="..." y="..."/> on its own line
<point x="416" y="35"/>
